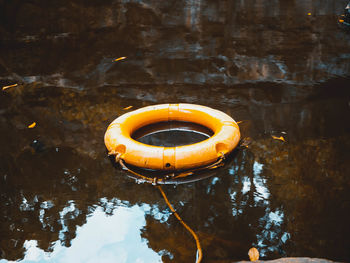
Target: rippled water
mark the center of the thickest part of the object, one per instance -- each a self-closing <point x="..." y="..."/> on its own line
<point x="279" y="67"/>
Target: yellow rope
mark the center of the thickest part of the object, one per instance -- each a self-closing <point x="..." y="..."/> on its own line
<point x="147" y="179"/>
<point x="156" y="180"/>
<point x="199" y="249"/>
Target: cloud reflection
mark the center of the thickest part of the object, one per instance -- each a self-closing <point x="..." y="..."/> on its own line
<point x="104" y="238"/>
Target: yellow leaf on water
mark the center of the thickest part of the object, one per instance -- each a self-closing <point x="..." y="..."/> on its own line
<point x="32" y="125"/>
<point x="128" y="108"/>
<point x="278" y="138"/>
<point x="9" y="86"/>
<point x="245" y="142"/>
<point x="253" y="254"/>
<point x="121" y="58"/>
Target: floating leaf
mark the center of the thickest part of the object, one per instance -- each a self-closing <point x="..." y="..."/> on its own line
<point x="128" y="108"/>
<point x="245" y="142"/>
<point x="10" y="86"/>
<point x="278" y="138"/>
<point x="121" y="58"/>
<point x="32" y="125"/>
<point x="253" y="254"/>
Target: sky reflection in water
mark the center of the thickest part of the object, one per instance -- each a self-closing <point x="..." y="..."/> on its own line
<point x="104" y="238"/>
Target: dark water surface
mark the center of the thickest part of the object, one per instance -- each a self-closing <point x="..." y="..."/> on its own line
<point x="267" y="63"/>
<point x="172" y="133"/>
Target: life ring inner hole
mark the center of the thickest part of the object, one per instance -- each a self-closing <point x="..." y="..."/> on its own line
<point x="172" y="133"/>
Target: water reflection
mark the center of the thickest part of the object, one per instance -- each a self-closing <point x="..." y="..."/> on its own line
<point x="123" y="243"/>
<point x="266" y="63"/>
<point x="193" y="42"/>
<point x="54" y="177"/>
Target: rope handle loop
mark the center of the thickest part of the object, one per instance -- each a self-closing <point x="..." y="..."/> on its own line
<point x="155" y="180"/>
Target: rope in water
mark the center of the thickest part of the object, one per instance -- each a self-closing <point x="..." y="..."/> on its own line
<point x="155" y="181"/>
<point x="199" y="249"/>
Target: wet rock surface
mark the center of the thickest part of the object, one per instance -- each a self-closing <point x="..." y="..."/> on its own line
<point x="294" y="260"/>
<point x="183" y="42"/>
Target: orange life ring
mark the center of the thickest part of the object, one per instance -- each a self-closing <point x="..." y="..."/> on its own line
<point x="119" y="142"/>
